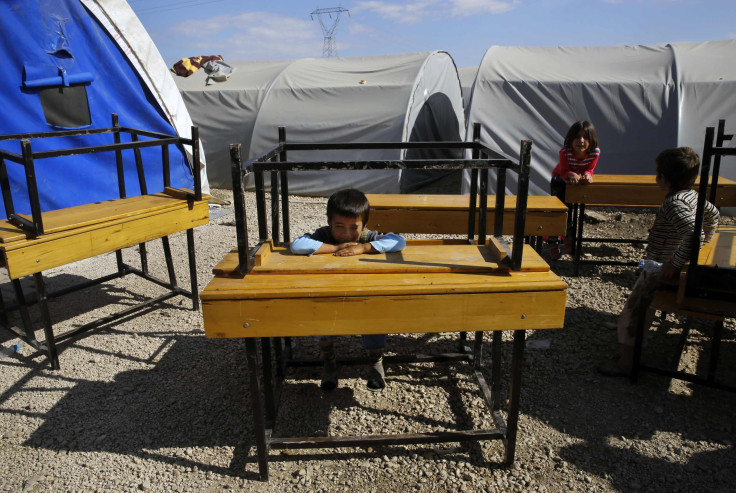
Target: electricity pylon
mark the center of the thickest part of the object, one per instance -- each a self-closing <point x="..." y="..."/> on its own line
<point x="329" y="49"/>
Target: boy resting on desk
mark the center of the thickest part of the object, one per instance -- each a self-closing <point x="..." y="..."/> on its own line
<point x="669" y="242"/>
<point x="346" y="235"/>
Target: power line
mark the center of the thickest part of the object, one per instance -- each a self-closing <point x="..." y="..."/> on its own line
<point x="329" y="49"/>
<point x="173" y="6"/>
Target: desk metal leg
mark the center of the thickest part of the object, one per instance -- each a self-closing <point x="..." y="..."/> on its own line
<point x="3" y="313"/>
<point x="46" y="317"/>
<point x="288" y="350"/>
<point x="478" y="350"/>
<point x="715" y="351"/>
<point x="280" y="362"/>
<point x="512" y="422"/>
<point x="496" y="370"/>
<point x="144" y="257"/>
<point x="256" y="399"/>
<point x="461" y="342"/>
<point x="538" y="244"/>
<point x="23" y="308"/>
<point x="578" y="243"/>
<point x="192" y="269"/>
<point x="169" y="261"/>
<point x="268" y="386"/>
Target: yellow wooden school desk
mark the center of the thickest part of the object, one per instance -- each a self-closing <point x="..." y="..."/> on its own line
<point x="435" y="286"/>
<point x="625" y="191"/>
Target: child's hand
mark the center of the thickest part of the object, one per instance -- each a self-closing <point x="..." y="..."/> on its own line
<point x="573" y="177"/>
<point x="586" y="178"/>
<point x="349" y="249"/>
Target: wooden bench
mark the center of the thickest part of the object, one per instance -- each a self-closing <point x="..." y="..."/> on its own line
<point x="33" y="243"/>
<point x="448" y="214"/>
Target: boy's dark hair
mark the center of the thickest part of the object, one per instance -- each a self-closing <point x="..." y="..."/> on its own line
<point x="348" y="202"/>
<point x="679" y="166"/>
<point x="590" y="133"/>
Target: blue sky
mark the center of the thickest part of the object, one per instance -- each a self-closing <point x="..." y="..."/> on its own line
<point x="278" y="30"/>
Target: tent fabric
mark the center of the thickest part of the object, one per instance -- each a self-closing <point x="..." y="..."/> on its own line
<point x="355" y="99"/>
<point x="123" y="25"/>
<point x="65" y="38"/>
<point x="467" y="79"/>
<point x="706" y="85"/>
<point x="641" y="99"/>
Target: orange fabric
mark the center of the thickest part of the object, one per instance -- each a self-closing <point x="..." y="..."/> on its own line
<point x="187" y="66"/>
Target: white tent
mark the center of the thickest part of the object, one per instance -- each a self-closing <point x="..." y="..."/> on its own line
<point x="641" y="99"/>
<point x="392" y="98"/>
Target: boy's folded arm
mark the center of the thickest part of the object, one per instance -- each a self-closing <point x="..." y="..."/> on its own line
<point x="305" y="245"/>
<point x="388" y="243"/>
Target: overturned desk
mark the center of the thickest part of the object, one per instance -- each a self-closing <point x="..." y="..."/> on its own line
<point x="265" y="293"/>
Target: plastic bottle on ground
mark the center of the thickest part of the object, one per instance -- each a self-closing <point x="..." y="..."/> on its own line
<point x="650" y="265"/>
<point x="8" y="351"/>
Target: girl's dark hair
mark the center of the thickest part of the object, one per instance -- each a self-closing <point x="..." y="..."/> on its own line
<point x="348" y="202"/>
<point x="679" y="166"/>
<point x="590" y="133"/>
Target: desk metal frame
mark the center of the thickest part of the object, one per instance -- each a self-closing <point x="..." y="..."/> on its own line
<point x="266" y="388"/>
<point x="266" y="382"/>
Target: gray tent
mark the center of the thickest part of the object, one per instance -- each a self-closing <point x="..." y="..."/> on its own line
<point x="642" y="99"/>
<point x="467" y="79"/>
<point x="393" y="98"/>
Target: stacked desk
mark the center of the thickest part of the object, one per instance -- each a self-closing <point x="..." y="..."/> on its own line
<point x="33" y="243"/>
<point x="625" y="191"/>
<point x="430" y="286"/>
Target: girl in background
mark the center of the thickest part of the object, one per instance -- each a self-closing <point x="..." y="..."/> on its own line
<point x="578" y="158"/>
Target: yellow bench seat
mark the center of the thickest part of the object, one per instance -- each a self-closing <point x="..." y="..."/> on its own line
<point x="84" y="231"/>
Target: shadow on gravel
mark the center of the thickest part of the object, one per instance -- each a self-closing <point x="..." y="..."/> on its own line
<point x="658" y="435"/>
<point x="71" y="305"/>
<point x="78" y="308"/>
<point x="194" y="397"/>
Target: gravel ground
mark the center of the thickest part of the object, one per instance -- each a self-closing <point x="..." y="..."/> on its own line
<point x="149" y="404"/>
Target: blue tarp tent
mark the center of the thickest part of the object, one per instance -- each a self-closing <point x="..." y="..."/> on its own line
<point x="62" y="70"/>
